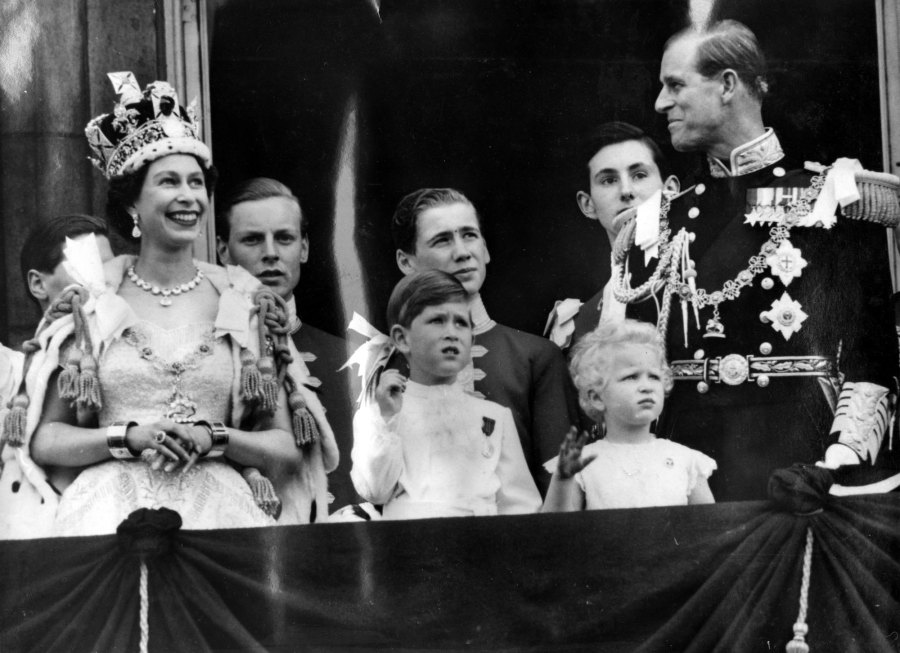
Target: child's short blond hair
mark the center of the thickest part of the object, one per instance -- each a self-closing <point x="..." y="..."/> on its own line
<point x="592" y="356"/>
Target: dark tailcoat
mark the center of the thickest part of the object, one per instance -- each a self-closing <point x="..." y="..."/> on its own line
<point x="337" y="397"/>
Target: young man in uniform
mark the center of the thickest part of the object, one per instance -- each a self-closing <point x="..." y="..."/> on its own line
<point x="625" y="168"/>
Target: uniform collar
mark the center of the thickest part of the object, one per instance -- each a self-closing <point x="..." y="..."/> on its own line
<point x="481" y="321"/>
<point x="752" y="156"/>
<point x="294" y="322"/>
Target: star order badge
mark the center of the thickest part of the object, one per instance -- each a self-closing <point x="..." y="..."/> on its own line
<point x="786" y="262"/>
<point x="786" y="316"/>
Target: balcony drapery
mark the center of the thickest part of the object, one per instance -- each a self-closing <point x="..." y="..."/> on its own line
<point x="722" y="577"/>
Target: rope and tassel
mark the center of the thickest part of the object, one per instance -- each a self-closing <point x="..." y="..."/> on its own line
<point x="261" y="379"/>
<point x="303" y="423"/>
<point x="798" y="644"/>
<point x="263" y="491"/>
<point x="15" y="421"/>
<point x="78" y="382"/>
<point x="250" y="378"/>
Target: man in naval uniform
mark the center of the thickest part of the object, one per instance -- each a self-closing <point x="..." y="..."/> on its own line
<point x="261" y="227"/>
<point x="439" y="228"/>
<point x="775" y="306"/>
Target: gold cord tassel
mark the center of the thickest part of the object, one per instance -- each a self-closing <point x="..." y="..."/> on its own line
<point x="268" y="385"/>
<point x="88" y="397"/>
<point x="303" y="423"/>
<point x="798" y="644"/>
<point x="250" y="377"/>
<point x="78" y="381"/>
<point x="14" y="420"/>
<point x="67" y="382"/>
<point x="263" y="491"/>
<point x="306" y="431"/>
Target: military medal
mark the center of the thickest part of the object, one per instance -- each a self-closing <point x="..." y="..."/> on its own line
<point x="766" y="206"/>
<point x="785" y="207"/>
<point x="487" y="427"/>
<point x="786" y="262"/>
<point x="786" y="316"/>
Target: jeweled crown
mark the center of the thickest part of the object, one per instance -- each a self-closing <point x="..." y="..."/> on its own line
<point x="144" y="126"/>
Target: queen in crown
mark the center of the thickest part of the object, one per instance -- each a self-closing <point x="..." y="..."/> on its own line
<point x="169" y="383"/>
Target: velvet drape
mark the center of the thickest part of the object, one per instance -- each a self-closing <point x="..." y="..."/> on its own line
<point x="722" y="577"/>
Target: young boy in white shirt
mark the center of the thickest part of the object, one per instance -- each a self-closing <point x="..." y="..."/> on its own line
<point x="425" y="448"/>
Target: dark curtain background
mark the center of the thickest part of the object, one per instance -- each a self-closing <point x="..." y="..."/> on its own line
<point x="55" y="59"/>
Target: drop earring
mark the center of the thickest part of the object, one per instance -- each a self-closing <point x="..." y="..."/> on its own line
<point x="136" y="232"/>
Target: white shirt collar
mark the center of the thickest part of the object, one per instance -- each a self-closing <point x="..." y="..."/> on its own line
<point x="481" y="321"/>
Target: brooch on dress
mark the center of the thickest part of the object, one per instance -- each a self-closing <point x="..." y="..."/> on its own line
<point x="487" y="427"/>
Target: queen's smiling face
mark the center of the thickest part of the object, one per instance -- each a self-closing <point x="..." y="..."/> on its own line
<point x="173" y="201"/>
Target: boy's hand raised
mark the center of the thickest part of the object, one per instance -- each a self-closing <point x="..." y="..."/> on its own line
<point x="389" y="393"/>
<point x="570" y="459"/>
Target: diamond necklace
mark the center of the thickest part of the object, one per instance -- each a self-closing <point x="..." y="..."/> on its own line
<point x="166" y="293"/>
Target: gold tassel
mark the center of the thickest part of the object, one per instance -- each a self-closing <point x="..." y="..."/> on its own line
<point x="268" y="387"/>
<point x="250" y="377"/>
<point x="89" y="385"/>
<point x="67" y="382"/>
<point x="798" y="644"/>
<point x="306" y="431"/>
<point x="263" y="492"/>
<point x="15" y="419"/>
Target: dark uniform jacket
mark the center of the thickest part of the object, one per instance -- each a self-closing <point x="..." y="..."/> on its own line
<point x="759" y="424"/>
<point x="324" y="354"/>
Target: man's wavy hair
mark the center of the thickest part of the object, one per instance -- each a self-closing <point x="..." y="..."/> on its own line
<point x="729" y="44"/>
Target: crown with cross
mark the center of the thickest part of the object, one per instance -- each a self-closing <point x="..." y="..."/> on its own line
<point x="144" y="126"/>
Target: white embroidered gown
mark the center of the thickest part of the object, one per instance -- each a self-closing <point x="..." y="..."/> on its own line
<point x="138" y="380"/>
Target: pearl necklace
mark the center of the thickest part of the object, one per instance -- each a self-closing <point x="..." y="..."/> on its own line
<point x="166" y="299"/>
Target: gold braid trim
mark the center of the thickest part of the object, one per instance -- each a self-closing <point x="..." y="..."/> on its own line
<point x="878" y="199"/>
<point x="862" y="418"/>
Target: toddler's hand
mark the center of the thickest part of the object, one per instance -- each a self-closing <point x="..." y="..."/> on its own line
<point x="389" y="393"/>
<point x="570" y="459"/>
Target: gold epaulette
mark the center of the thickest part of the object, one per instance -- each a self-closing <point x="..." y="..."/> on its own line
<point x="878" y="199"/>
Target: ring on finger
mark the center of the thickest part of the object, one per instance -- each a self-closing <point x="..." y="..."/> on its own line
<point x="160" y="437"/>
